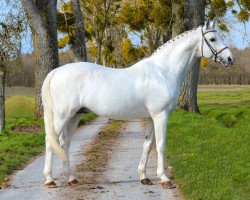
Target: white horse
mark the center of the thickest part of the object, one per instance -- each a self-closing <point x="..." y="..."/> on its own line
<point x="149" y="89"/>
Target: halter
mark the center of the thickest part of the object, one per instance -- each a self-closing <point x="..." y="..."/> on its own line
<point x="215" y="53"/>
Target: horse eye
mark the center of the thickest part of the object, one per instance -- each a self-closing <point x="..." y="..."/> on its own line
<point x="212" y="39"/>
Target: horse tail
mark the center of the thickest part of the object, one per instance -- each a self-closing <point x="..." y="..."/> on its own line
<point x="49" y="118"/>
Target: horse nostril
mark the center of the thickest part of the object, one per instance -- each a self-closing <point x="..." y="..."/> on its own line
<point x="230" y="60"/>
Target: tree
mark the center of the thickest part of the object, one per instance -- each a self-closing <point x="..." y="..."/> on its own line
<point x="150" y="18"/>
<point x="43" y="23"/>
<point x="178" y="15"/>
<point x="131" y="53"/>
<point x="194" y="14"/>
<point x="79" y="47"/>
<point x="100" y="14"/>
<point x="10" y="47"/>
<point x="71" y="23"/>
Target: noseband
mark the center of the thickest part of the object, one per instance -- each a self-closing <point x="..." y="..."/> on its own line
<point x="215" y="53"/>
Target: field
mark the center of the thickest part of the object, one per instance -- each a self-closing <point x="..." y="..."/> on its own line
<point x="210" y="152"/>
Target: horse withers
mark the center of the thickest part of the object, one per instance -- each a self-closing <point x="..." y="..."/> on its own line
<point x="148" y="89"/>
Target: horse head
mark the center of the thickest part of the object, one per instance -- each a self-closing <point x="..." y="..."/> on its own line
<point x="212" y="46"/>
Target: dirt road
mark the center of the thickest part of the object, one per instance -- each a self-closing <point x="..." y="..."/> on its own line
<point x="118" y="180"/>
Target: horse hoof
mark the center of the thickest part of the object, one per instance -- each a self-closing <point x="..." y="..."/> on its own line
<point x="168" y="185"/>
<point x="73" y="182"/>
<point x="50" y="185"/>
<point x="146" y="181"/>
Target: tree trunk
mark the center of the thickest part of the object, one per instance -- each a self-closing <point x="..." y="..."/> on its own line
<point x="79" y="46"/>
<point x="178" y="23"/>
<point x="194" y="13"/>
<point x="166" y="36"/>
<point x="2" y="101"/>
<point x="99" y="52"/>
<point x="188" y="92"/>
<point x="43" y="24"/>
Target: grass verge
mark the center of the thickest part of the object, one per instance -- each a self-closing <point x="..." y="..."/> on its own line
<point x="210" y="152"/>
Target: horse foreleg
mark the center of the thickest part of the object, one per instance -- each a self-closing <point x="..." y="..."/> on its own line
<point x="147" y="146"/>
<point x="48" y="166"/>
<point x="160" y="126"/>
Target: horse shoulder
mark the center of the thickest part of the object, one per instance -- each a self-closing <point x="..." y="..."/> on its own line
<point x="160" y="95"/>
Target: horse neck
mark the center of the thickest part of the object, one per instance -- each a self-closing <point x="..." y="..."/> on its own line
<point x="177" y="56"/>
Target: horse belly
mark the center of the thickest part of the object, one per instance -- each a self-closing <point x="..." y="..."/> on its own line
<point x="117" y="104"/>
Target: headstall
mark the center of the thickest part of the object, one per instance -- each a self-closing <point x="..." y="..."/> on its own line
<point x="215" y="53"/>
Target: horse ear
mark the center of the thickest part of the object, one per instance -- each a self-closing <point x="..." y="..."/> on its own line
<point x="207" y="25"/>
<point x="212" y="25"/>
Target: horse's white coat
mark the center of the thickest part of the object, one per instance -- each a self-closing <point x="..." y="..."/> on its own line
<point x="148" y="89"/>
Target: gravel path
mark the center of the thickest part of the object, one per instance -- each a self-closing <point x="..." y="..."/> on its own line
<point x="27" y="184"/>
<point x="121" y="181"/>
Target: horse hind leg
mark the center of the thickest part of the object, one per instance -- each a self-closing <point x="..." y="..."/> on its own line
<point x="49" y="183"/>
<point x="65" y="141"/>
<point x="59" y="124"/>
<point x="147" y="146"/>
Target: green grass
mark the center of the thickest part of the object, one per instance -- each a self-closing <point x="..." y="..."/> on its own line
<point x="210" y="152"/>
<point x="16" y="149"/>
<point x="87" y="118"/>
<point x="20" y="111"/>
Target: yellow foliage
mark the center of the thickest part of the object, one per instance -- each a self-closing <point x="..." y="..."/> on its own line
<point x="243" y="16"/>
<point x="63" y="41"/>
<point x="230" y="4"/>
<point x="223" y="27"/>
<point x="66" y="7"/>
<point x="128" y="50"/>
<point x="136" y="15"/>
<point x="204" y="63"/>
<point x="218" y="9"/>
<point x="131" y="53"/>
<point x="92" y="50"/>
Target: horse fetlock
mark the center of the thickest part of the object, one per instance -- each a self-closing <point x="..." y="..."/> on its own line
<point x="47" y="173"/>
<point x="162" y="176"/>
<point x="142" y="173"/>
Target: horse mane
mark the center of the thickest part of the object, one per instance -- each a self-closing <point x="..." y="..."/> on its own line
<point x="171" y="41"/>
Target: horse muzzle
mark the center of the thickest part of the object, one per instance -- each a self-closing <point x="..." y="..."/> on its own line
<point x="226" y="62"/>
